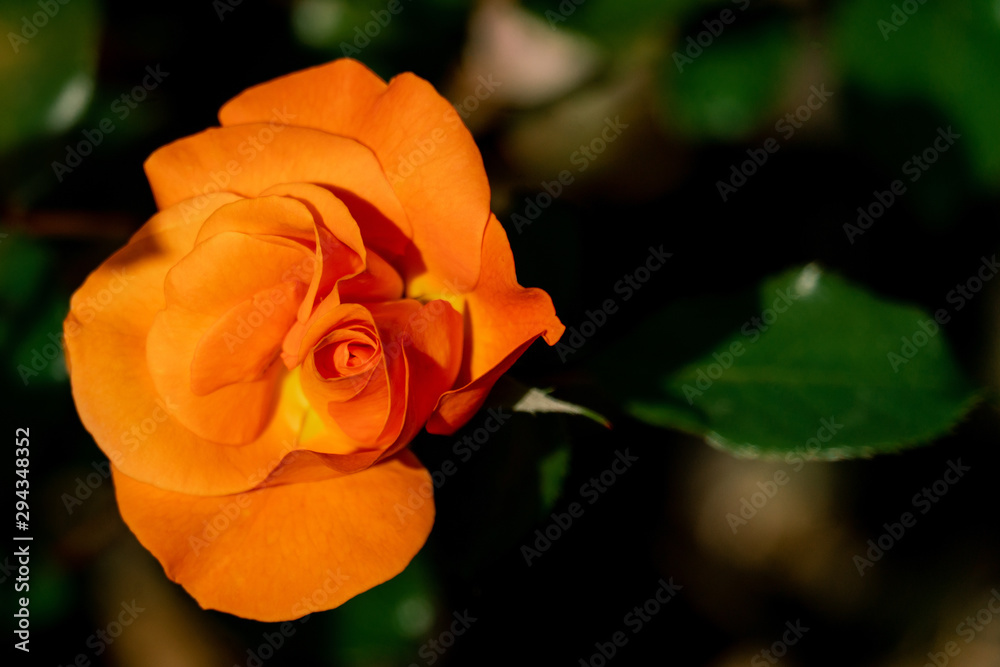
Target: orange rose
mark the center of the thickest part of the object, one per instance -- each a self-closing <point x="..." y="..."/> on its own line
<point x="324" y="278"/>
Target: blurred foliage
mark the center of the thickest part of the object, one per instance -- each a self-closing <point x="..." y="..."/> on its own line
<point x="47" y="67"/>
<point x="726" y="90"/>
<point x="616" y="24"/>
<point x="502" y="482"/>
<point x="24" y="265"/>
<point x="386" y="624"/>
<point x="945" y="53"/>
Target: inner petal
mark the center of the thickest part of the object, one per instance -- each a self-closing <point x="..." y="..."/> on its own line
<point x="348" y="379"/>
<point x="243" y="343"/>
<point x="345" y="353"/>
<point x="359" y="354"/>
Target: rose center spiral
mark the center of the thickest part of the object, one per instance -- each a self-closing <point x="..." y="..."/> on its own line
<point x="346" y="352"/>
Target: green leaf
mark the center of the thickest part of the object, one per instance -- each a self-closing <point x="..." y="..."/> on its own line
<point x="947" y="53"/>
<point x="813" y="364"/>
<point x="47" y="67"/>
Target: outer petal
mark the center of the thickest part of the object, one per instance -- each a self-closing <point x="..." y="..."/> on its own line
<point x="280" y="552"/>
<point x="426" y="151"/>
<point x="335" y="97"/>
<point x="503" y="319"/>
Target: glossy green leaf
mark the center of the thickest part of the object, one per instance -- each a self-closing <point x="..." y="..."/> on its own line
<point x="812" y="364"/>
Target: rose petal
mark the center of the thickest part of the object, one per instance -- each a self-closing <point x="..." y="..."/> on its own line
<point x="106" y="352"/>
<point x="326" y="255"/>
<point x="504" y="318"/>
<point x="136" y="272"/>
<point x="428" y="337"/>
<point x="246" y="164"/>
<point x="364" y="409"/>
<point x="262" y="216"/>
<point x="284" y="551"/>
<point x="233" y="414"/>
<point x="429" y="156"/>
<point x="420" y="345"/>
<point x="231" y="267"/>
<point x="232" y="299"/>
<point x="243" y="343"/>
<point x="378" y="282"/>
<point x="200" y="290"/>
<point x="341" y="253"/>
<point x="333" y="97"/>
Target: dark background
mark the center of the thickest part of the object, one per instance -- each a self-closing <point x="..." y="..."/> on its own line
<point x="665" y="517"/>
